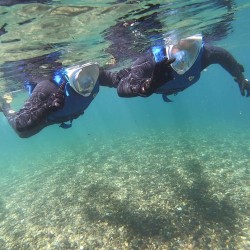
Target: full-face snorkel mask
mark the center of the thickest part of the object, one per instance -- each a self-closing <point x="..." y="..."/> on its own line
<point x="185" y="52"/>
<point x="83" y="78"/>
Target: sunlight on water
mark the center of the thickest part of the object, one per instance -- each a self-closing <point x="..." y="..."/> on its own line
<point x="76" y="27"/>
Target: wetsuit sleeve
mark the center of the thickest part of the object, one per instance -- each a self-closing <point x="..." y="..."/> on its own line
<point x="141" y="79"/>
<point x="145" y="77"/>
<point x="217" y="55"/>
<point x="140" y="73"/>
<point x="32" y="117"/>
<point x="112" y="79"/>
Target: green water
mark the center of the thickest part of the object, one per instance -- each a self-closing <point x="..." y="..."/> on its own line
<point x="131" y="173"/>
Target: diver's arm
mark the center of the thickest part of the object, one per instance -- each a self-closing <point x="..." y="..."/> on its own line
<point x="30" y="119"/>
<point x="112" y="79"/>
<point x="145" y="77"/>
<point x="217" y="55"/>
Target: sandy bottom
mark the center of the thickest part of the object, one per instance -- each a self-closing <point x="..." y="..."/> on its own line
<point x="154" y="191"/>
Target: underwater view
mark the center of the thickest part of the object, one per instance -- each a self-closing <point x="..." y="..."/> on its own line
<point x="159" y="172"/>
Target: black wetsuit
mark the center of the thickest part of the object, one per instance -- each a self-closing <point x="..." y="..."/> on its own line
<point x="129" y="81"/>
<point x="143" y="69"/>
<point x="30" y="119"/>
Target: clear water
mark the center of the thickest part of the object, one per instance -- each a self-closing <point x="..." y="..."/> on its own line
<point x="131" y="173"/>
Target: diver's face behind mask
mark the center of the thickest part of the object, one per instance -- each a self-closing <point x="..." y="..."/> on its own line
<point x="185" y="53"/>
<point x="83" y="78"/>
<point x="181" y="63"/>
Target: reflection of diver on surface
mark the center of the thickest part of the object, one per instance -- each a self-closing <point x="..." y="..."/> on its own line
<point x="31" y="70"/>
<point x="222" y="25"/>
<point x="129" y="38"/>
<point x="14" y="2"/>
<point x="222" y="28"/>
<point x="3" y="30"/>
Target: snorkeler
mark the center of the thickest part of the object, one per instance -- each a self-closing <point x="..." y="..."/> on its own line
<point x="57" y="98"/>
<point x="189" y="56"/>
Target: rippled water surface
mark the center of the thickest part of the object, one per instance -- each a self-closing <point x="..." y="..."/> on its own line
<point x="86" y="30"/>
<point x="131" y="173"/>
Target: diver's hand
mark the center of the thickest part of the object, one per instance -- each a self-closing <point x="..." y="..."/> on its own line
<point x="162" y="73"/>
<point x="244" y="86"/>
<point x="160" y="67"/>
<point x="56" y="100"/>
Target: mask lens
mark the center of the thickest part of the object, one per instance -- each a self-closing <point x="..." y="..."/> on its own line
<point x="187" y="52"/>
<point x="84" y="84"/>
<point x="181" y="60"/>
<point x="83" y="78"/>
